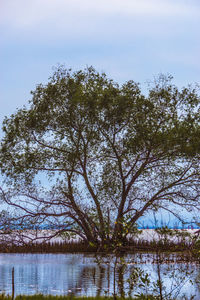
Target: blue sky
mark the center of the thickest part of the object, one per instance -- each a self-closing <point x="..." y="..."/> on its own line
<point x="128" y="39"/>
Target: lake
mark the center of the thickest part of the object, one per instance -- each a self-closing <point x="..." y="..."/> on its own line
<point x="85" y="274"/>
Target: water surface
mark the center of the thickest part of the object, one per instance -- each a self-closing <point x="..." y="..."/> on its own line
<point x="80" y="274"/>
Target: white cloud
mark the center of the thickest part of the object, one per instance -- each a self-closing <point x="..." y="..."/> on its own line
<point x="31" y="14"/>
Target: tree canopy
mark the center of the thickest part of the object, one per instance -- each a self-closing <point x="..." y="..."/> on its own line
<point x="105" y="153"/>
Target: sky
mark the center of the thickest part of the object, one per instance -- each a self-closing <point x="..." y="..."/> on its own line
<point x="127" y="39"/>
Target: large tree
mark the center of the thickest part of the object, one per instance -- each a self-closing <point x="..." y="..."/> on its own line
<point x="95" y="156"/>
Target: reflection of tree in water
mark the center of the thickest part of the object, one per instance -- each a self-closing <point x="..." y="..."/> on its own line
<point x="96" y="277"/>
<point x="100" y="280"/>
<point x="89" y="277"/>
<point x="166" y="280"/>
<point x="85" y="280"/>
<point x="120" y="277"/>
<point x="197" y="280"/>
<point x="159" y="278"/>
<point x="170" y="279"/>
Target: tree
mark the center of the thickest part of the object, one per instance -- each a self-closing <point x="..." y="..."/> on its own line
<point x="95" y="156"/>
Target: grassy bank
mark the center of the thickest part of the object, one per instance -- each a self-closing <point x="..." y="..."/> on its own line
<point x="84" y="247"/>
<point x="47" y="247"/>
<point x="50" y="297"/>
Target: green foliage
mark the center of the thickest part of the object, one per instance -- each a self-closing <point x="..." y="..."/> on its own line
<point x="107" y="154"/>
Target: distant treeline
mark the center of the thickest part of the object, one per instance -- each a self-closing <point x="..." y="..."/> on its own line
<point x="182" y="226"/>
<point x="63" y="227"/>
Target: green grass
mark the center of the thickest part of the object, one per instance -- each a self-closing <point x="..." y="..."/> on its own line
<point x="50" y="297"/>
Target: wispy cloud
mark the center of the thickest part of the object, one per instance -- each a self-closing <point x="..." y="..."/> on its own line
<point x="62" y="15"/>
<point x="125" y="38"/>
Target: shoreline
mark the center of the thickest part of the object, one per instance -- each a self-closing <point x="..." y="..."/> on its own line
<point x="148" y="241"/>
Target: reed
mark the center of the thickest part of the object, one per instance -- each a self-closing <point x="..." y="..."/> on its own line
<point x="83" y="247"/>
<point x="53" y="247"/>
